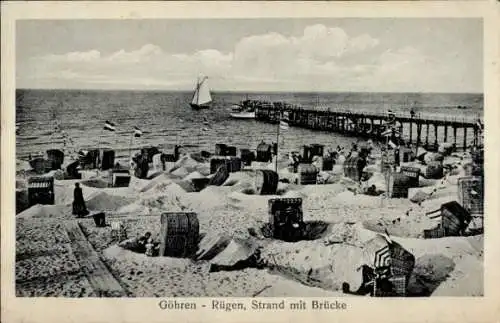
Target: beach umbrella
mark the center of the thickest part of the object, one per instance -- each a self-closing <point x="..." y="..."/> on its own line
<point x="376" y="252"/>
<point x="382" y="253"/>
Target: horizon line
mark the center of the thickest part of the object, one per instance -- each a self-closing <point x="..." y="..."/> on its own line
<point x="238" y="91"/>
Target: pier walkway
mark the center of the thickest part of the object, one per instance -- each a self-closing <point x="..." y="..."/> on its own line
<point x="372" y="124"/>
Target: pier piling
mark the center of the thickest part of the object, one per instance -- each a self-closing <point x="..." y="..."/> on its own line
<point x="435" y="135"/>
<point x="465" y="137"/>
<point x="366" y="124"/>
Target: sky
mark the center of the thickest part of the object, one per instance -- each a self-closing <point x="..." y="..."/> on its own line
<point x="351" y="54"/>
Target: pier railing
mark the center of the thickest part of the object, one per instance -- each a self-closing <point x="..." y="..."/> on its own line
<point x="370" y="123"/>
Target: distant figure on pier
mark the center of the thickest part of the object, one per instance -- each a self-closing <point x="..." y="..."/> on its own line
<point x="412" y="113"/>
<point x="79" y="207"/>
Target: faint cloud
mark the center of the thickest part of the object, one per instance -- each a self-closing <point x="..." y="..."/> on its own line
<point x="322" y="58"/>
<point x="72" y="57"/>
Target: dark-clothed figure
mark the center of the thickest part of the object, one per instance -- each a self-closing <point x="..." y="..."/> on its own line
<point x="296" y="162"/>
<point x="142" y="165"/>
<point x="396" y="156"/>
<point x="142" y="241"/>
<point x="361" y="163"/>
<point x="372" y="190"/>
<point x="254" y="261"/>
<point x="79" y="208"/>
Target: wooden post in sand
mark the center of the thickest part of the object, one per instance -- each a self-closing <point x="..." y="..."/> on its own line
<point x="99" y="147"/>
<point x="277" y="145"/>
<point x="386" y="188"/>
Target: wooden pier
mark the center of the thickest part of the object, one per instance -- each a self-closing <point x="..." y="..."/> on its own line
<point x="414" y="129"/>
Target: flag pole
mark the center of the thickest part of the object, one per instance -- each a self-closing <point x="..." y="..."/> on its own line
<point x="277" y="144"/>
<point x="130" y="146"/>
<point x="99" y="147"/>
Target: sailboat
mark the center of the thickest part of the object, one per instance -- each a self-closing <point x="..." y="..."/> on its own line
<point x="201" y="97"/>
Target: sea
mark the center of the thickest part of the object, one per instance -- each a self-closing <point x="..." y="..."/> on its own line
<point x="74" y="119"/>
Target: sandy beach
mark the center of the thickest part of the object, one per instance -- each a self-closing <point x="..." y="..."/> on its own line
<point x="339" y="220"/>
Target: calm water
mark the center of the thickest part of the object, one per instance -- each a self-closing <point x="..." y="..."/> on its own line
<point x="167" y="119"/>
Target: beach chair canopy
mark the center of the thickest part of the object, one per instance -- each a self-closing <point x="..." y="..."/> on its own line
<point x="376" y="252"/>
<point x="381" y="252"/>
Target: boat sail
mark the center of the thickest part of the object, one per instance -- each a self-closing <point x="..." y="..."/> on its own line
<point x="201" y="97"/>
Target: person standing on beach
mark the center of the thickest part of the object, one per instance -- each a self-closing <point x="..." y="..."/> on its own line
<point x="79" y="208"/>
<point x="360" y="165"/>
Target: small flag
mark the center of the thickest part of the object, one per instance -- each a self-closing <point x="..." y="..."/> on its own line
<point x="109" y="126"/>
<point x="137" y="132"/>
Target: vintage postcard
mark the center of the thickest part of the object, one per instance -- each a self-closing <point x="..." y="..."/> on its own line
<point x="249" y="162"/>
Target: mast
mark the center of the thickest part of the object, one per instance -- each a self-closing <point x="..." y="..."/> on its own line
<point x="202" y="93"/>
<point x="196" y="92"/>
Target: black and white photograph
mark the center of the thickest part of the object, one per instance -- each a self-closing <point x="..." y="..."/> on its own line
<point x="249" y="157"/>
